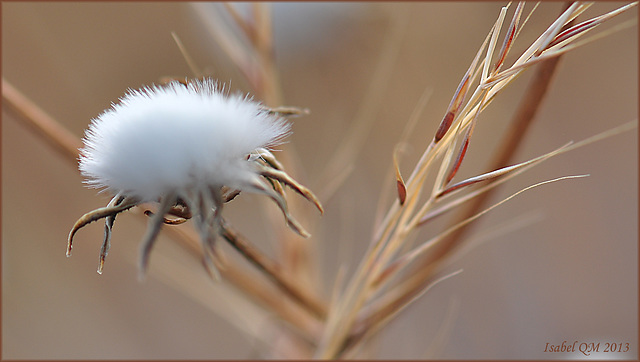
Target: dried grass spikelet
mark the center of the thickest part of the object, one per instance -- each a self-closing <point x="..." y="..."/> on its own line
<point x="396" y="270"/>
<point x="189" y="147"/>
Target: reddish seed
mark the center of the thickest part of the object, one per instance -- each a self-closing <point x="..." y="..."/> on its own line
<point x="444" y="126"/>
<point x="402" y="191"/>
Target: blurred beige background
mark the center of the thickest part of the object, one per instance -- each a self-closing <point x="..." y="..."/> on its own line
<point x="571" y="275"/>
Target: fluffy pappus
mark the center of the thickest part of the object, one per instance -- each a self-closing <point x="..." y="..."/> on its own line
<point x="176" y="137"/>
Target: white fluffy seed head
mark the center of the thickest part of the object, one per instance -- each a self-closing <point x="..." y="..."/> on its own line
<point x="175" y="138"/>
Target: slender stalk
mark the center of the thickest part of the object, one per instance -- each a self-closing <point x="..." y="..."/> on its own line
<point x="40" y="122"/>
<point x="275" y="272"/>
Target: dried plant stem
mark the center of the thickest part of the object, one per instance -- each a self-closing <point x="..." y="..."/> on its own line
<point x="370" y="325"/>
<point x="295" y="255"/>
<point x="40" y="123"/>
<point x="270" y="90"/>
<point x="268" y="296"/>
<point x="274" y="271"/>
<point x="190" y="62"/>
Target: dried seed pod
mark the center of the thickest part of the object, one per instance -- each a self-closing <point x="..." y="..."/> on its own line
<point x="189" y="146"/>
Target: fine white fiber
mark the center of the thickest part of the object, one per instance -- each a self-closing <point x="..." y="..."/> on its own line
<point x="177" y="137"/>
